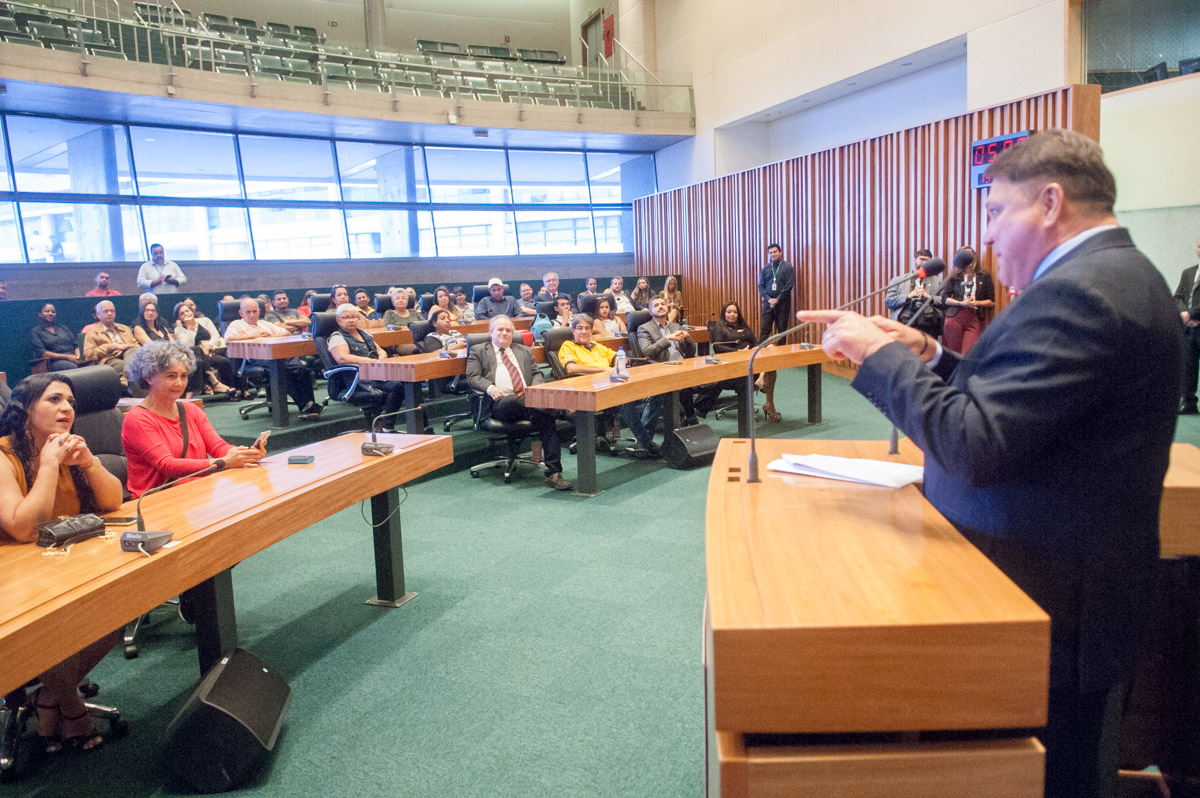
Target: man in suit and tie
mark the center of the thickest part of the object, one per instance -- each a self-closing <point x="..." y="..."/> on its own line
<point x="1048" y="444"/>
<point x="661" y="341"/>
<point x="1187" y="299"/>
<point x="501" y="370"/>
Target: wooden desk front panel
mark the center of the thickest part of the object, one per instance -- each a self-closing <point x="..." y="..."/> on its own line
<point x="432" y="366"/>
<point x="838" y="607"/>
<point x="51" y="607"/>
<point x="1178" y="529"/>
<point x="280" y="348"/>
<point x="595" y="392"/>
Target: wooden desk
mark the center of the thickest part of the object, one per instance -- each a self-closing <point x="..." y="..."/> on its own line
<point x="589" y="394"/>
<point x="837" y="607"/>
<point x="412" y="370"/>
<point x="51" y="607"/>
<point x="1178" y="531"/>
<point x="271" y="351"/>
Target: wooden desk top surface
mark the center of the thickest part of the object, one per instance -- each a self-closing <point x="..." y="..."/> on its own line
<point x="431" y="365"/>
<point x="595" y="392"/>
<point x="288" y="346"/>
<point x="839" y="607"/>
<point x="1178" y="532"/>
<point x="53" y="606"/>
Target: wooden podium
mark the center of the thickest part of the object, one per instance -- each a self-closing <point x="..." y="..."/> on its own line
<point x="856" y="644"/>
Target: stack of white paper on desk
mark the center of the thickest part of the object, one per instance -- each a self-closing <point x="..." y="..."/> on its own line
<point x="849" y="469"/>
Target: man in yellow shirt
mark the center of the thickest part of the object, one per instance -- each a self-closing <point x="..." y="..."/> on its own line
<point x="584" y="356"/>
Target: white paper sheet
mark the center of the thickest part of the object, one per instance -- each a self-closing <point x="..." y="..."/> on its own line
<point x="849" y="469"/>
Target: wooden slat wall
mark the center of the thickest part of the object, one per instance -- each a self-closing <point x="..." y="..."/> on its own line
<point x="848" y="218"/>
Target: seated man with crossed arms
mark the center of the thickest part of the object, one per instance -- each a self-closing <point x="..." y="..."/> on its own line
<point x="585" y="356"/>
<point x="296" y="376"/>
<point x="501" y="370"/>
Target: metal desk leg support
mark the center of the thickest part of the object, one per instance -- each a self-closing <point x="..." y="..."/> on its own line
<point x="389" y="551"/>
<point x="414" y="423"/>
<point x="585" y="453"/>
<point x="814" y="393"/>
<point x="279" y="396"/>
<point x="210" y="605"/>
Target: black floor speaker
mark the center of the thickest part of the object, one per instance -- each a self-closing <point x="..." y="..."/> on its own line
<point x="688" y="447"/>
<point x="229" y="725"/>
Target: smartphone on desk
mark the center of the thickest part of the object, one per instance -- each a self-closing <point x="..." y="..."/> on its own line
<point x="120" y="520"/>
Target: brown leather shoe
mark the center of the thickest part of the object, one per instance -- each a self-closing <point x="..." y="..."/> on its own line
<point x="556" y="481"/>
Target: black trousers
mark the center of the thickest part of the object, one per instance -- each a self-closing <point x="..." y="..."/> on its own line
<point x="1083" y="740"/>
<point x="779" y="317"/>
<point x="512" y="408"/>
<point x="1191" y="364"/>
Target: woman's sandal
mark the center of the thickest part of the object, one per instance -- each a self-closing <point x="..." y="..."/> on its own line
<point x="86" y="741"/>
<point x="772" y="415"/>
<point x="49" y="721"/>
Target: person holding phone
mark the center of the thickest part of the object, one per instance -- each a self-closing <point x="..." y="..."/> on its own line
<point x="165" y="438"/>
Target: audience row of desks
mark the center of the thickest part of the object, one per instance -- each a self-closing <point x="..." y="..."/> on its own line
<point x="52" y="606"/>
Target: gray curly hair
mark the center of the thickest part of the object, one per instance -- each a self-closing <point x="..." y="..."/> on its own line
<point x="155" y="358"/>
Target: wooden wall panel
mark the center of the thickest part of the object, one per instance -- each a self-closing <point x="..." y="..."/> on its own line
<point x="848" y="218"/>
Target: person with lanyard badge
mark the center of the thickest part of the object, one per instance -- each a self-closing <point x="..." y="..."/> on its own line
<point x="969" y="293"/>
<point x="775" y="283"/>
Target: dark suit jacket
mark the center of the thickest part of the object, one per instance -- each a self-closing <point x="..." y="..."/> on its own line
<point x="654" y="342"/>
<point x="1047" y="445"/>
<point x="1183" y="298"/>
<point x="481" y="368"/>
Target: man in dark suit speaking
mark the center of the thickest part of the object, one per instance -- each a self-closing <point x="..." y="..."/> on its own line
<point x="1047" y="444"/>
<point x="501" y="371"/>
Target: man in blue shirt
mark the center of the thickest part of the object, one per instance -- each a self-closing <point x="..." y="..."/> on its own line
<point x="496" y="303"/>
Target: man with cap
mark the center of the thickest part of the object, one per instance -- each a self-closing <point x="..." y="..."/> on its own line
<point x="496" y="303"/>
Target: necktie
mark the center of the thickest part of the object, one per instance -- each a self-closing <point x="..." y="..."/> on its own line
<point x="513" y="372"/>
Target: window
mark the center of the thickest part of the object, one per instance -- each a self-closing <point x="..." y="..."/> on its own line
<point x="553" y="177"/>
<point x="390" y="234"/>
<point x="297" y="233"/>
<point x="474" y="233"/>
<point x="543" y="232"/>
<point x="10" y="242"/>
<point x="63" y="232"/>
<point x="614" y="230"/>
<point x="185" y="163"/>
<point x="463" y="175"/>
<point x="61" y="157"/>
<point x="382" y="172"/>
<point x="196" y="232"/>
<point x="277" y="168"/>
<point x="620" y="177"/>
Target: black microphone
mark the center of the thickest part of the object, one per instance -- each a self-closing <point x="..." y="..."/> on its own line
<point x="373" y="448"/>
<point x="201" y="473"/>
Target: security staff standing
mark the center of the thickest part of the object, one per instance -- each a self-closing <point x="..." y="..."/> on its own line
<point x="775" y="287"/>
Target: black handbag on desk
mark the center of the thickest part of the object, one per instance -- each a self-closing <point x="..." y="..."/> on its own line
<point x="65" y="531"/>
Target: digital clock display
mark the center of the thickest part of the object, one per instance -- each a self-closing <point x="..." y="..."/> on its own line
<point x="984" y="151"/>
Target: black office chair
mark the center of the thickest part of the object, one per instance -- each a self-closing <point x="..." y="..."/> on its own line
<point x="383" y="303"/>
<point x="18" y="748"/>
<point x="426" y="302"/>
<point x="319" y="303"/>
<point x="547" y="309"/>
<point x="552" y="341"/>
<point x="722" y="409"/>
<point x="633" y="321"/>
<point x="98" y="420"/>
<point x="344" y="384"/>
<point x="248" y="373"/>
<point x="513" y="433"/>
<point x="478" y="292"/>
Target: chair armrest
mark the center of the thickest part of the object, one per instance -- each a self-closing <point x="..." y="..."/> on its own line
<point x="343" y="370"/>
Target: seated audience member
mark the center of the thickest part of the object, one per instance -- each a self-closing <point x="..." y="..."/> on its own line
<point x="590" y="285"/>
<point x="362" y="301"/>
<point x="102" y="288"/>
<point x="286" y="317"/>
<point x="731" y="333"/>
<point x="496" y="303"/>
<point x="443" y="335"/>
<point x="466" y="311"/>
<point x="624" y="303"/>
<point x="526" y="303"/>
<point x="150" y="326"/>
<point x="305" y="307"/>
<point x="349" y="344"/>
<point x="550" y="292"/>
<point x="54" y="342"/>
<point x="296" y="375"/>
<point x="661" y="341"/>
<point x="444" y="301"/>
<point x="640" y="296"/>
<point x="191" y="303"/>
<point x="501" y="370"/>
<point x="608" y="324"/>
<point x="338" y="295"/>
<point x="399" y="315"/>
<point x="146" y="299"/>
<point x="152" y="433"/>
<point x="219" y="376"/>
<point x="582" y="355"/>
<point x="46" y="472"/>
<point x="674" y="297"/>
<point x="108" y="342"/>
<point x="562" y="307"/>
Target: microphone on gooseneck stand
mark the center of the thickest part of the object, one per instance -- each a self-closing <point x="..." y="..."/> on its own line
<point x="145" y="541"/>
<point x="373" y="448"/>
<point x="932" y="267"/>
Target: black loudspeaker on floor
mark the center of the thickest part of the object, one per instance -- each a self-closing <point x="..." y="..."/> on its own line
<point x="689" y="447"/>
<point x="228" y="727"/>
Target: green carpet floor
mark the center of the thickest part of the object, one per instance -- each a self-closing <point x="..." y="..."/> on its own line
<point x="553" y="650"/>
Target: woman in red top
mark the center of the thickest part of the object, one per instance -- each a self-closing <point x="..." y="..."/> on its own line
<point x="152" y="433"/>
